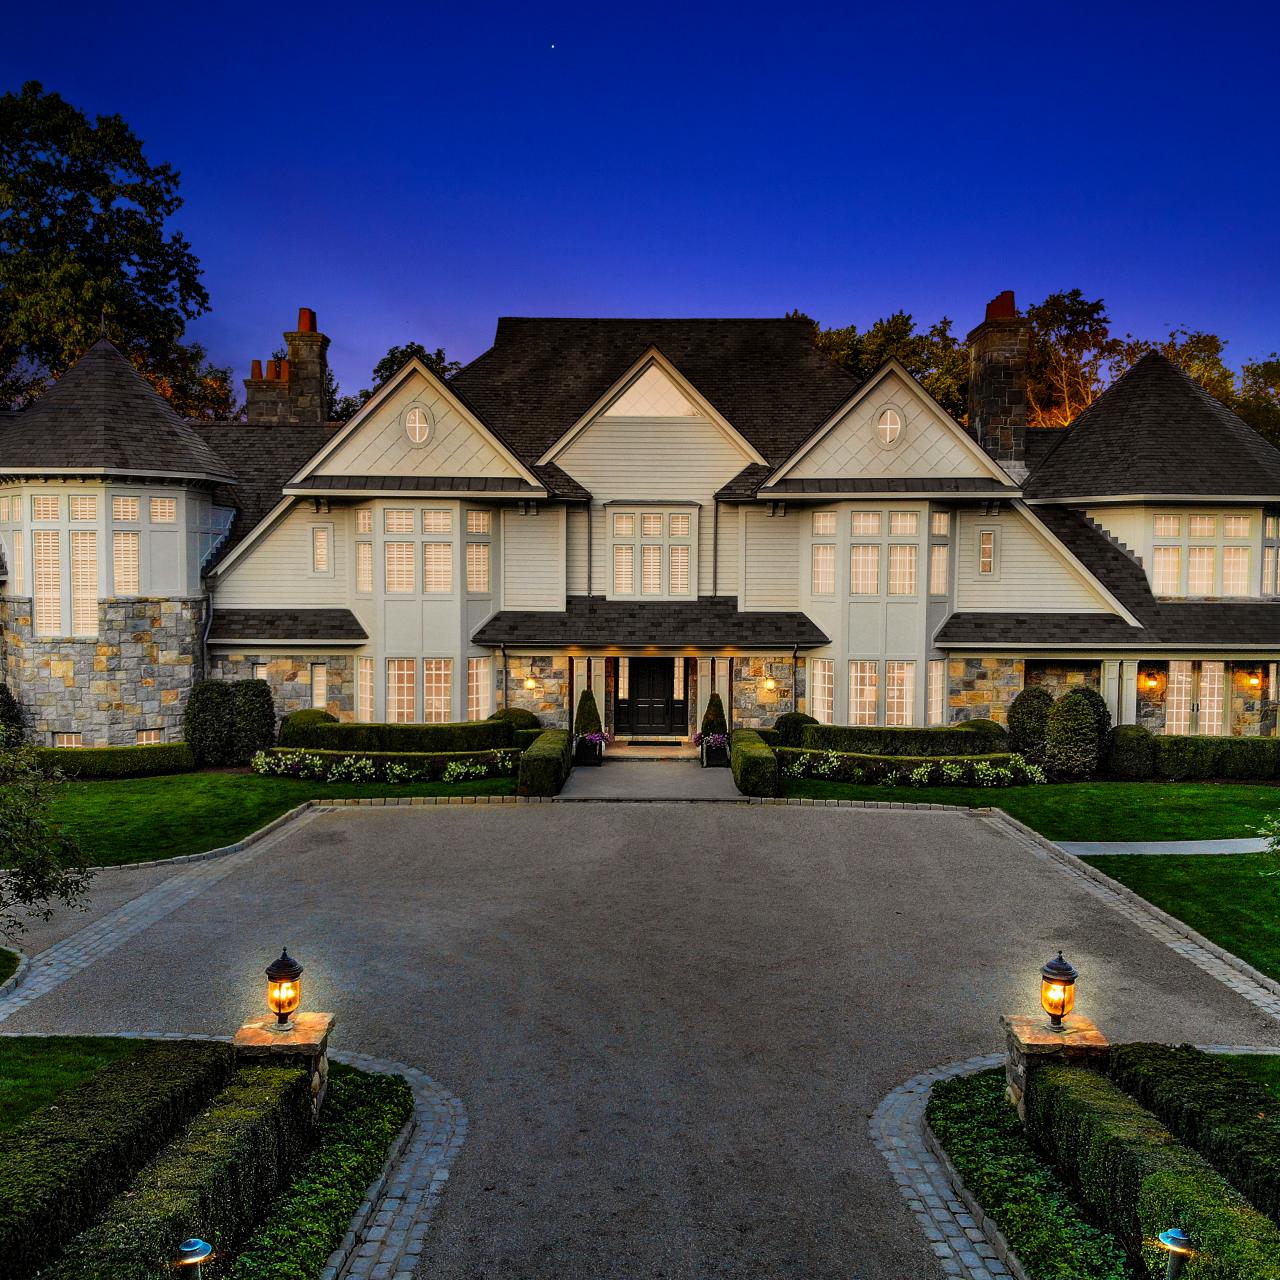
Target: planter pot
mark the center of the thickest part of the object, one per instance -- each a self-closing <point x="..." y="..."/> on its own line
<point x="715" y="757"/>
<point x="588" y="753"/>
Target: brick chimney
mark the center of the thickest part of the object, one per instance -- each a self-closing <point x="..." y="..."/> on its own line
<point x="999" y="355"/>
<point x="293" y="390"/>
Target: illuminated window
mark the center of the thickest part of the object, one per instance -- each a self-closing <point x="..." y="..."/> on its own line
<point x="624" y="678"/>
<point x="124" y="560"/>
<point x="1201" y="526"/>
<point x="4" y="507"/>
<point x="1213" y="684"/>
<point x="822" y="675"/>
<point x="397" y="521"/>
<point x="125" y="509"/>
<point x="480" y="688"/>
<point x="624" y="526"/>
<point x="417" y="425"/>
<point x="364" y="520"/>
<point x="1200" y="566"/>
<point x="651" y="526"/>
<point x="679" y="571"/>
<point x="149" y="737"/>
<point x="319" y="548"/>
<point x="1166" y="570"/>
<point x="401" y="704"/>
<point x="437" y="690"/>
<point x="679" y="525"/>
<point x="164" y="510"/>
<point x="437" y="567"/>
<point x="904" y="523"/>
<point x="478" y="567"/>
<point x="937" y="691"/>
<point x="435" y="521"/>
<point x="864" y="691"/>
<point x="364" y="566"/>
<point x="987" y="552"/>
<point x="939" y="557"/>
<point x="260" y="670"/>
<point x="84" y="584"/>
<point x="650" y="570"/>
<point x="364" y="690"/>
<point x="899" y="693"/>
<point x="823" y="576"/>
<point x="1268" y="571"/>
<point x="940" y="524"/>
<point x="623" y="571"/>
<point x="866" y="522"/>
<point x="48" y="583"/>
<point x="677" y="680"/>
<point x="902" y="569"/>
<point x="864" y="570"/>
<point x="824" y="524"/>
<point x="888" y="426"/>
<point x="67" y="740"/>
<point x="319" y="686"/>
<point x="44" y="508"/>
<point x="479" y="522"/>
<point x="1235" y="526"/>
<point x="1171" y="527"/>
<point x="1235" y="571"/>
<point x="19" y="565"/>
<point x="1272" y="526"/>
<point x="84" y="508"/>
<point x="398" y="566"/>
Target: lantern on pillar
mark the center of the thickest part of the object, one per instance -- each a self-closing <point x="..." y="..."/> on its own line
<point x="284" y="989"/>
<point x="1057" y="990"/>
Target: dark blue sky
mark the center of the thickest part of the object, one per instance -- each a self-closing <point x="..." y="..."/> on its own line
<point x="413" y="172"/>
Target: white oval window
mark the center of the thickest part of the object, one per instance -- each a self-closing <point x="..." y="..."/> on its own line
<point x="417" y="425"/>
<point x="889" y="426"/>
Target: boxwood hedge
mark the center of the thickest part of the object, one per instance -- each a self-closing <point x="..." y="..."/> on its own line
<point x="466" y="735"/>
<point x="118" y="762"/>
<point x="754" y="765"/>
<point x="520" y="717"/>
<point x="790" y="727"/>
<point x="208" y="722"/>
<point x="546" y="763"/>
<point x="1131" y="753"/>
<point x="297" y="724"/>
<point x="954" y="740"/>
<point x="848" y="766"/>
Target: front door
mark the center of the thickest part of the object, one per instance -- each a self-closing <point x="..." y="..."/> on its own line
<point x="651" y="697"/>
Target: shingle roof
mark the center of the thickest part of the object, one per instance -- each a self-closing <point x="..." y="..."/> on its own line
<point x="409" y="484"/>
<point x="980" y="485"/>
<point x="102" y="415"/>
<point x="1157" y="431"/>
<point x="765" y="377"/>
<point x="709" y="622"/>
<point x="333" y="626"/>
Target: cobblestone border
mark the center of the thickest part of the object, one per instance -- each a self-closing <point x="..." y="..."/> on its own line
<point x="19" y="975"/>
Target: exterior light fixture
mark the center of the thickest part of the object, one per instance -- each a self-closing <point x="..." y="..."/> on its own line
<point x="1057" y="990"/>
<point x="770" y="684"/>
<point x="192" y="1253"/>
<point x="530" y="682"/>
<point x="1179" y="1246"/>
<point x="1255" y="680"/>
<point x="284" y="989"/>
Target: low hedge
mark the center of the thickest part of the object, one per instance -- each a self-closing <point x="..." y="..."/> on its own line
<point x="214" y="1180"/>
<point x="520" y="717"/>
<point x="362" y="1115"/>
<point x="1232" y="1122"/>
<point x="754" y="764"/>
<point x="999" y="769"/>
<point x="546" y="763"/>
<point x="871" y="740"/>
<point x="464" y="735"/>
<point x="1192" y="757"/>
<point x="295" y="727"/>
<point x="1131" y="753"/>
<point x="118" y="762"/>
<point x="1022" y="1194"/>
<point x="790" y="727"/>
<point x="63" y="1164"/>
<point x="525" y="738"/>
<point x="384" y="766"/>
<point x="1136" y="1179"/>
<point x="772" y="736"/>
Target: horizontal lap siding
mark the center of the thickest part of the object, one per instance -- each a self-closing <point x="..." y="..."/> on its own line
<point x="533" y="564"/>
<point x="772" y="565"/>
<point x="276" y="573"/>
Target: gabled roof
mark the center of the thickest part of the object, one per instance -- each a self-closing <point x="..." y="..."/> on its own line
<point x="103" y="416"/>
<point x="765" y="377"/>
<point x="1155" y="432"/>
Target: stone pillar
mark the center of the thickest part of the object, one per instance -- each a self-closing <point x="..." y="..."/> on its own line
<point x="1030" y="1043"/>
<point x="306" y="1042"/>
<point x="999" y="357"/>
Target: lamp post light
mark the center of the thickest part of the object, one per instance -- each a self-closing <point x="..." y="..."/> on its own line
<point x="1057" y="990"/>
<point x="1180" y="1246"/>
<point x="284" y="989"/>
<point x="192" y="1253"/>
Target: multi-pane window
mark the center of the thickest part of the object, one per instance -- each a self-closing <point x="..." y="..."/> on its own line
<point x="903" y="523"/>
<point x="940" y="524"/>
<point x="1200" y="566"/>
<point x="677" y="680"/>
<point x="624" y="526"/>
<point x="4" y="507"/>
<point x="364" y="566"/>
<point x="1178" y="698"/>
<point x="624" y="678"/>
<point x="651" y="526"/>
<point x="44" y="508"/>
<point x="83" y="508"/>
<point x="1171" y="527"/>
<point x="398" y="565"/>
<point x="19" y="566"/>
<point x="260" y="670"/>
<point x="124" y="509"/>
<point x="437" y="568"/>
<point x="987" y="552"/>
<point x="1200" y="526"/>
<point x="864" y="569"/>
<point x="1166" y="570"/>
<point x="651" y="569"/>
<point x="1235" y="571"/>
<point x="435" y="521"/>
<point x="1235" y="526"/>
<point x="937" y="691"/>
<point x="84" y="583"/>
<point x="1268" y="571"/>
<point x="478" y="567"/>
<point x="902" y="569"/>
<point x="46" y="553"/>
<point x="822" y="675"/>
<point x="364" y="520"/>
<point x="679" y="574"/>
<point x="124" y="561"/>
<point x="480" y="688"/>
<point x="823" y="574"/>
<point x="364" y="690"/>
<point x="149" y="737"/>
<point x="679" y="525"/>
<point x="401" y="703"/>
<point x="864" y="691"/>
<point x="1213" y="684"/>
<point x="67" y="740"/>
<point x="437" y="690"/>
<point x="899" y="692"/>
<point x="320" y="548"/>
<point x="397" y="521"/>
<point x="479" y="522"/>
<point x="319" y="686"/>
<point x="865" y="523"/>
<point x="939" y="557"/>
<point x="623" y="569"/>
<point x="824" y="524"/>
<point x="164" y="510"/>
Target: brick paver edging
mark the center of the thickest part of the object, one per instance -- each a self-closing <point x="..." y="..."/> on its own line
<point x="19" y="974"/>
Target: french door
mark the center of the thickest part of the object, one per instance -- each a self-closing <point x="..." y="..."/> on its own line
<point x="1195" y="701"/>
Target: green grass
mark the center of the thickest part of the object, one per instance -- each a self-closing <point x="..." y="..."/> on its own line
<point x="1093" y="810"/>
<point x="8" y="963"/>
<point x="1261" y="1068"/>
<point x="137" y="819"/>
<point x="1224" y="896"/>
<point x="35" y="1069"/>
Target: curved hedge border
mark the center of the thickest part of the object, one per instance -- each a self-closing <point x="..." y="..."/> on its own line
<point x="546" y="763"/>
<point x="1000" y="770"/>
<point x="118" y="762"/>
<point x="754" y="765"/>
<point x="383" y="766"/>
<point x="976" y="738"/>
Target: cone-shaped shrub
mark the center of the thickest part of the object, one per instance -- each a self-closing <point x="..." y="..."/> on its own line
<point x="713" y="720"/>
<point x="1028" y="721"/>
<point x="587" y="718"/>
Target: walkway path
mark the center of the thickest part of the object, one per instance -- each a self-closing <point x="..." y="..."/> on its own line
<point x="650" y="780"/>
<point x="1099" y="848"/>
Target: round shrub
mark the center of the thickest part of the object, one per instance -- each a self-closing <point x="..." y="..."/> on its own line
<point x="13" y="721"/>
<point x="208" y="722"/>
<point x="254" y="718"/>
<point x="789" y="727"/>
<point x="1132" y="752"/>
<point x="993" y="727"/>
<point x="713" y="720"/>
<point x="1071" y="737"/>
<point x="1028" y="720"/>
<point x="1101" y="716"/>
<point x="519" y="718"/>
<point x="587" y="719"/>
<point x="293" y="727"/>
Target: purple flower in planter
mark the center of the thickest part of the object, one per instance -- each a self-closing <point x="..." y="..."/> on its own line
<point x="601" y="738"/>
<point x="711" y="740"/>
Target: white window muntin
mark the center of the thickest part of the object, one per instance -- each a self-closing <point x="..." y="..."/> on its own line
<point x="823" y="691"/>
<point x="624" y="569"/>
<point x="1235" y="571"/>
<point x="401" y="691"/>
<point x="864" y="691"/>
<point x="1201" y="564"/>
<point x="45" y="507"/>
<point x="480" y="522"/>
<point x="418" y="424"/>
<point x="319" y="686"/>
<point x="903" y="564"/>
<point x="126" y="510"/>
<point x="163" y="510"/>
<point x="437" y="690"/>
<point x="899" y="693"/>
<point x="126" y="574"/>
<point x="653" y="553"/>
<point x="364" y="520"/>
<point x="678" y="570"/>
<point x="437" y="520"/>
<point x="364" y="690"/>
<point x="364" y="567"/>
<point x="651" y="569"/>
<point x="479" y="688"/>
<point x="989" y="553"/>
<point x="82" y="507"/>
<point x="399" y="567"/>
<point x="1166" y="571"/>
<point x="437" y="568"/>
<point x="84" y="582"/>
<point x="478" y="568"/>
<point x="19" y="566"/>
<point x="322" y="550"/>
<point x="822" y="570"/>
<point x="148" y="737"/>
<point x="937" y="694"/>
<point x="939" y="568"/>
<point x="864" y="569"/>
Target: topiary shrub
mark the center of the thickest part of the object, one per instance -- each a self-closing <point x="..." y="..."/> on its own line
<point x="1029" y="720"/>
<point x="587" y="718"/>
<point x="1101" y="716"/>
<point x="294" y="728"/>
<point x="755" y="767"/>
<point x="1131" y="752"/>
<point x="253" y="718"/>
<point x="518" y="718"/>
<point x="13" y="720"/>
<point x="1071" y="737"/>
<point x="789" y="727"/>
<point x="713" y="720"/>
<point x="208" y="723"/>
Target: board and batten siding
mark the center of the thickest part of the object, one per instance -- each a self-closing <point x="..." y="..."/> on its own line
<point x="770" y="560"/>
<point x="533" y="559"/>
<point x="276" y="572"/>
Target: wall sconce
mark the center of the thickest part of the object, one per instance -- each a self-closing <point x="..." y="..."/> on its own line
<point x="1255" y="680"/>
<point x="1152" y="681"/>
<point x="1179" y="1246"/>
<point x="771" y="684"/>
<point x="193" y="1252"/>
<point x="284" y="989"/>
<point x="530" y="682"/>
<point x="1057" y="990"/>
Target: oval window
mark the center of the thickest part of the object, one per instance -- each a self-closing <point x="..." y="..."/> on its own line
<point x="417" y="425"/>
<point x="889" y="426"/>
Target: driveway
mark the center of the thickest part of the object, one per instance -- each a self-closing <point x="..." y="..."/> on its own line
<point x="668" y="1023"/>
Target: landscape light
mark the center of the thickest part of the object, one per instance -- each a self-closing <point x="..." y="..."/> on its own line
<point x="193" y="1252"/>
<point x="1179" y="1246"/>
<point x="1058" y="990"/>
<point x="284" y="989"/>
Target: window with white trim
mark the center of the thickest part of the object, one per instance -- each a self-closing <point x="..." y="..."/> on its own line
<point x="939" y="561"/>
<point x="651" y="525"/>
<point x="364" y="690"/>
<point x="397" y="521"/>
<point x="364" y="567"/>
<point x="1235" y="571"/>
<point x="67" y="740"/>
<point x="83" y="508"/>
<point x="47" y="555"/>
<point x="1178" y="698"/>
<point x="865" y="523"/>
<point x="902" y="568"/>
<point x="937" y="691"/>
<point x="864" y="569"/>
<point x="124" y="562"/>
<point x="19" y="566"/>
<point x="437" y="690"/>
<point x="864" y="691"/>
<point x="164" y="510"/>
<point x="1235" y="526"/>
<point x="401" y="699"/>
<point x="823" y="569"/>
<point x="4" y="508"/>
<point x="125" y="509"/>
<point x="677" y="680"/>
<point x="888" y="426"/>
<point x="149" y="737"/>
<point x="1213" y="685"/>
<point x="623" y="570"/>
<point x="904" y="523"/>
<point x="899" y="693"/>
<point x="678" y="574"/>
<point x="679" y="525"/>
<point x="624" y="526"/>
<point x="652" y="553"/>
<point x="84" y="583"/>
<point x="624" y="678"/>
<point x="1171" y="527"/>
<point x="822" y="677"/>
<point x="651" y="569"/>
<point x="480" y="688"/>
<point x="44" y="508"/>
<point x="320" y="539"/>
<point x="1200" y="526"/>
<point x="437" y="568"/>
<point x="1268" y="571"/>
<point x="988" y="552"/>
<point x="437" y="521"/>
<point x="319" y="686"/>
<point x="398" y="567"/>
<point x="940" y="524"/>
<point x="824" y="524"/>
<point x="480" y="522"/>
<point x="1200" y="567"/>
<point x="417" y="425"/>
<point x="364" y="520"/>
<point x="478" y="568"/>
<point x="1166" y="570"/>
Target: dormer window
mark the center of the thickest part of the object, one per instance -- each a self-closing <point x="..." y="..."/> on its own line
<point x="417" y="424"/>
<point x="889" y="427"/>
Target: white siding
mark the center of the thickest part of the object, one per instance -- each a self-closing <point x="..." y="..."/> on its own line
<point x="577" y="568"/>
<point x="772" y="560"/>
<point x="1124" y="524"/>
<point x="533" y="568"/>
<point x="727" y="582"/>
<point x="276" y="572"/>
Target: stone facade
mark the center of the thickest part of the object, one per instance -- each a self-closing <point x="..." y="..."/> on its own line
<point x="1253" y="712"/>
<point x="1058" y="677"/>
<point x="289" y="676"/>
<point x="754" y="706"/>
<point x="982" y="688"/>
<point x="1031" y="1043"/>
<point x="293" y="389"/>
<point x="549" y="698"/>
<point x="133" y="676"/>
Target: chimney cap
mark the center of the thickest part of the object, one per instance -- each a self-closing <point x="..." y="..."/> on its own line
<point x="1002" y="307"/>
<point x="306" y="320"/>
<point x="255" y="371"/>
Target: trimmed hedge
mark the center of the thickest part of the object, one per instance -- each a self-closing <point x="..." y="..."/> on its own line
<point x="1071" y="737"/>
<point x="1232" y="1122"/>
<point x="519" y="717"/>
<point x="464" y="735"/>
<point x="62" y="1165"/>
<point x="214" y="1180"/>
<point x="253" y="718"/>
<point x="118" y="762"/>
<point x="1136" y="1179"/>
<point x="425" y="766"/>
<point x="1181" y="757"/>
<point x="754" y="765"/>
<point x="208" y="722"/>
<point x="362" y="1115"/>
<point x="790" y="726"/>
<point x="546" y="764"/>
<point x="1029" y="720"/>
<point x="770" y="736"/>
<point x="953" y="740"/>
<point x="525" y="738"/>
<point x="848" y="766"/>
<point x="297" y="724"/>
<point x="1132" y="753"/>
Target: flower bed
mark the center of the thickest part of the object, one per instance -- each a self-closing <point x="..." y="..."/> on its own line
<point x="392" y="767"/>
<point x="1000" y="770"/>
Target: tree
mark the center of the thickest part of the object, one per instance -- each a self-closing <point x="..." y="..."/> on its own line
<point x="1199" y="354"/>
<point x="1071" y="353"/>
<point x="1258" y="401"/>
<point x="343" y="407"/>
<point x="42" y="864"/>
<point x="84" y="248"/>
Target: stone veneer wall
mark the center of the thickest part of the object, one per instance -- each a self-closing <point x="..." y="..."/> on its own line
<point x="549" y="700"/>
<point x="134" y="675"/>
<point x="1253" y="711"/>
<point x="289" y="676"/>
<point x="982" y="688"/>
<point x="754" y="706"/>
<point x="1058" y="677"/>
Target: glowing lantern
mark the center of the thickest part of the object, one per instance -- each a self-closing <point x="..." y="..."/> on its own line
<point x="1179" y="1246"/>
<point x="192" y="1253"/>
<point x="530" y="682"/>
<point x="1057" y="990"/>
<point x="771" y="684"/>
<point x="284" y="988"/>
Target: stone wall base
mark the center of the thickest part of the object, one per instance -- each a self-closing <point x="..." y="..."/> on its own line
<point x="290" y="678"/>
<point x="982" y="688"/>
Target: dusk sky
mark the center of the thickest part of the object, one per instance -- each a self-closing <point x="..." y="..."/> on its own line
<point x="413" y="172"/>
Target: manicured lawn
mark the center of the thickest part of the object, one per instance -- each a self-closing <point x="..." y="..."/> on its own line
<point x="8" y="963"/>
<point x="1093" y="810"/>
<point x="35" y="1069"/>
<point x="1224" y="896"/>
<point x="137" y="819"/>
<point x="1262" y="1068"/>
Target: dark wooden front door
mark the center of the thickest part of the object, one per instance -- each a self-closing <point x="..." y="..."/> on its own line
<point x="651" y="707"/>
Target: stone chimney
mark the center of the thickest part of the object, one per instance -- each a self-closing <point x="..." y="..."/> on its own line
<point x="291" y="391"/>
<point x="999" y="355"/>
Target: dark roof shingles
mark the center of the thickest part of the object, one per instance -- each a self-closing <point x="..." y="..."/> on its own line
<point x="285" y="624"/>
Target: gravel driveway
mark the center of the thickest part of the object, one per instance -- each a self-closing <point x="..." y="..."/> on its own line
<point x="668" y="1023"/>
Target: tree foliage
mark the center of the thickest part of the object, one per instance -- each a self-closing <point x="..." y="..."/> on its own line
<point x="1071" y="353"/>
<point x="84" y="248"/>
<point x="344" y="407"/>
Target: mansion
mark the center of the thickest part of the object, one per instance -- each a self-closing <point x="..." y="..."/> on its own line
<point x="654" y="509"/>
